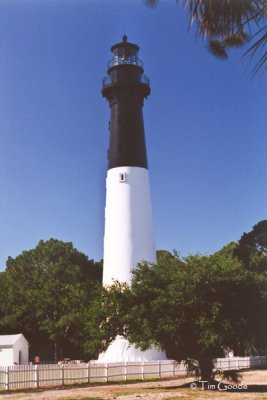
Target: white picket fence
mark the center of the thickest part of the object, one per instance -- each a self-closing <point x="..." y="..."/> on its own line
<point x="35" y="376"/>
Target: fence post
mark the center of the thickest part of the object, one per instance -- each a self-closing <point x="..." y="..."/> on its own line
<point x="62" y="375"/>
<point x="88" y="372"/>
<point x="142" y="370"/>
<point x="125" y="371"/>
<point x="36" y="367"/>
<point x="7" y="378"/>
<point x="173" y="368"/>
<point x="159" y="368"/>
<point x="106" y="372"/>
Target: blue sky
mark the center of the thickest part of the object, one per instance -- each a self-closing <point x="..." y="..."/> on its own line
<point x="205" y="124"/>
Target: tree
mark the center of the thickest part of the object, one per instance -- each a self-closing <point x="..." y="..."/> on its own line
<point x="252" y="248"/>
<point x="48" y="290"/>
<point x="229" y="23"/>
<point x="105" y="317"/>
<point x="165" y="254"/>
<point x="192" y="308"/>
<point x="2" y="295"/>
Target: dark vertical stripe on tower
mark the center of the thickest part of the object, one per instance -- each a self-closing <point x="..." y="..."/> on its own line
<point x="125" y="88"/>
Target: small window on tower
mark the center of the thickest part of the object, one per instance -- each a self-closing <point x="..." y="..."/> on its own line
<point x="122" y="177"/>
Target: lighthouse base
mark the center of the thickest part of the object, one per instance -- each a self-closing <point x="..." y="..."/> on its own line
<point x="120" y="350"/>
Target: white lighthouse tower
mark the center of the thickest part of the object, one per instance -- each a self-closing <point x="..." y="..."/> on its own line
<point x="129" y="236"/>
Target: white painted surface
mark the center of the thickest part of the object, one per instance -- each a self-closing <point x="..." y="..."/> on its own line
<point x="6" y="356"/>
<point x="14" y="349"/>
<point x="129" y="239"/>
<point x="129" y="236"/>
<point x="120" y="350"/>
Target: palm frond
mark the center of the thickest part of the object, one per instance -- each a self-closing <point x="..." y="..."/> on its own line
<point x="259" y="43"/>
<point x="257" y="46"/>
<point x="227" y="24"/>
<point x="217" y="48"/>
<point x="237" y="40"/>
<point x="229" y="375"/>
<point x="261" y="63"/>
<point x="223" y="23"/>
<point x="222" y="18"/>
<point x="192" y="367"/>
<point x="151" y="3"/>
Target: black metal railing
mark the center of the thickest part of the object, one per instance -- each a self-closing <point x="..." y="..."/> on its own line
<point x="117" y="60"/>
<point x="108" y="80"/>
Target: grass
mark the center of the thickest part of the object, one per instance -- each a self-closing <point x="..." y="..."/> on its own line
<point x="18" y="396"/>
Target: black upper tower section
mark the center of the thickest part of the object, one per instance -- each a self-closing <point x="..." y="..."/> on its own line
<point x="125" y="87"/>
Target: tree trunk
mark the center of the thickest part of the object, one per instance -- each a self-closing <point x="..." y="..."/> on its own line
<point x="55" y="351"/>
<point x="61" y="349"/>
<point x="206" y="368"/>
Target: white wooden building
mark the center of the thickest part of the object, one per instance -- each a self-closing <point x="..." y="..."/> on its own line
<point x="14" y="350"/>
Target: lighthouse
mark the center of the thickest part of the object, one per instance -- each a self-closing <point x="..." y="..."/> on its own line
<point x="129" y="236"/>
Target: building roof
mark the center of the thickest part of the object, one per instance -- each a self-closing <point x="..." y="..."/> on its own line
<point x="9" y="340"/>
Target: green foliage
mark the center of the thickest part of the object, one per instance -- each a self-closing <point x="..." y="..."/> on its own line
<point x="3" y="295"/>
<point x="252" y="248"/>
<point x="103" y="320"/>
<point x="165" y="254"/>
<point x="191" y="308"/>
<point x="47" y="291"/>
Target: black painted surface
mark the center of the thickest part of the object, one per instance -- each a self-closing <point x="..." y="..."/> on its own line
<point x="125" y="88"/>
